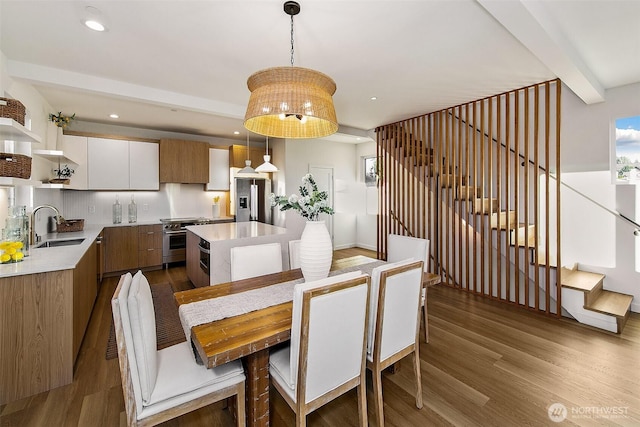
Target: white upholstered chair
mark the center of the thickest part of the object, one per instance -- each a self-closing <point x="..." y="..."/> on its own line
<point x="159" y="385"/>
<point x="404" y="247"/>
<point x="394" y="324"/>
<point x="326" y="355"/>
<point x="294" y="254"/>
<point x="255" y="260"/>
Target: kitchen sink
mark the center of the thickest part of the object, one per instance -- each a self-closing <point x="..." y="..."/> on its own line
<point x="56" y="243"/>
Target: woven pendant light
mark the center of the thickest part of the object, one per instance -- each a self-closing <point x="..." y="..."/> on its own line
<point x="291" y="102"/>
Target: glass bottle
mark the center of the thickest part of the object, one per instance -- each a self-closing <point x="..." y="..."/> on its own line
<point x="15" y="235"/>
<point x="117" y="211"/>
<point x="133" y="210"/>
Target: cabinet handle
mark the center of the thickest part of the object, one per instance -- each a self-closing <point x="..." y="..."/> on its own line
<point x="150" y="232"/>
<point x="150" y="249"/>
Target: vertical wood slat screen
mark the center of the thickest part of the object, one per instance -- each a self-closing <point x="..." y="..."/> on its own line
<point x="474" y="180"/>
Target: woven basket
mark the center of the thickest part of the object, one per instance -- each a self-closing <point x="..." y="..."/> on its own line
<point x="15" y="165"/>
<point x="12" y="109"/>
<point x="70" y="225"/>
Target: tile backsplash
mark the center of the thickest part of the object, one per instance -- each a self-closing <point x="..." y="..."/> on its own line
<point x="172" y="200"/>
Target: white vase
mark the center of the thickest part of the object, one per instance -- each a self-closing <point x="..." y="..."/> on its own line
<point x="316" y="251"/>
<point x="215" y="210"/>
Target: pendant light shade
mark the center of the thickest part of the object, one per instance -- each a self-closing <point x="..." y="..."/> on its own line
<point x="247" y="171"/>
<point x="291" y="102"/>
<point x="267" y="166"/>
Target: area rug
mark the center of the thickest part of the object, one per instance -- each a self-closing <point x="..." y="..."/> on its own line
<point x="168" y="328"/>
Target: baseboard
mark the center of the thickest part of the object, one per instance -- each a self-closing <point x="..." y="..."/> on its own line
<point x="349" y="246"/>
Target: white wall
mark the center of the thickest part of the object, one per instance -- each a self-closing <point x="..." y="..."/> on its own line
<point x="592" y="237"/>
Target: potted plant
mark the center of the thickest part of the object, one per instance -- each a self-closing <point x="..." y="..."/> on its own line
<point x="63" y="175"/>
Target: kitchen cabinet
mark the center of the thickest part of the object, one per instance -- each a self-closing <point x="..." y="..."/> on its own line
<point x="149" y="245"/>
<point x="75" y="147"/>
<point x="197" y="276"/>
<point x="120" y="248"/>
<point x="184" y="162"/>
<point x="238" y="155"/>
<point x="218" y="169"/>
<point x="115" y="164"/>
<point x="144" y="166"/>
<point x="85" y="291"/>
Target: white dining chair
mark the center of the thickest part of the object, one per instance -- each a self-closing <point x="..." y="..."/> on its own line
<point x="294" y="254"/>
<point x="404" y="247"/>
<point x="159" y="385"/>
<point x="326" y="355"/>
<point x="394" y="324"/>
<point x="255" y="260"/>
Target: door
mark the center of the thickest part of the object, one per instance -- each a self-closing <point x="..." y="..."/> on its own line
<point x="324" y="179"/>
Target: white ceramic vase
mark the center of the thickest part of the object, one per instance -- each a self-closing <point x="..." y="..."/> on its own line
<point x="316" y="251"/>
<point x="215" y="210"/>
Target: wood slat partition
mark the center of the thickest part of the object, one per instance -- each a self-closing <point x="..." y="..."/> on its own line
<point x="474" y="180"/>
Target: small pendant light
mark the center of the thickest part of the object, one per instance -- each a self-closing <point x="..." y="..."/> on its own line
<point x="247" y="171"/>
<point x="267" y="166"/>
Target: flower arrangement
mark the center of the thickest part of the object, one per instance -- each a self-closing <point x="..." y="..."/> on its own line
<point x="311" y="202"/>
<point x="61" y="120"/>
<point x="216" y="199"/>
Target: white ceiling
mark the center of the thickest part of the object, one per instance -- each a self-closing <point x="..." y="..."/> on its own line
<point x="182" y="65"/>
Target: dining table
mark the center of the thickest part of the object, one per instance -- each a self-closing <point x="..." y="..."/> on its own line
<point x="250" y="335"/>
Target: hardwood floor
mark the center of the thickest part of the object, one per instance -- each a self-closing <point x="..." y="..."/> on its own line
<point x="487" y="363"/>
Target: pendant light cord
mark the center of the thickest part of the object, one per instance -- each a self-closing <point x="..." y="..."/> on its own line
<point x="292" y="40"/>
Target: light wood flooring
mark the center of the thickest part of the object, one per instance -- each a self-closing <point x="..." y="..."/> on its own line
<point x="487" y="364"/>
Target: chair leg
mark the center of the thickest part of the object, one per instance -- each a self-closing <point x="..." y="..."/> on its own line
<point x="377" y="396"/>
<point x="426" y="322"/>
<point x="362" y="402"/>
<point x="241" y="413"/>
<point x="416" y="368"/>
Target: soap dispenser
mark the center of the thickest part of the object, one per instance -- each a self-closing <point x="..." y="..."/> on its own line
<point x="117" y="211"/>
<point x="133" y="211"/>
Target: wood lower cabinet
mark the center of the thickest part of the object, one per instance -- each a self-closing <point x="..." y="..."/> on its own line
<point x="149" y="246"/>
<point x="184" y="162"/>
<point x="120" y="248"/>
<point x="85" y="291"/>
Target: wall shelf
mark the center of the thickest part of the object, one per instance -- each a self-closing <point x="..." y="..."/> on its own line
<point x="56" y="156"/>
<point x="12" y="182"/>
<point x="14" y="131"/>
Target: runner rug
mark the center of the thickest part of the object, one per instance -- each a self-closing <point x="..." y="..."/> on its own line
<point x="168" y="328"/>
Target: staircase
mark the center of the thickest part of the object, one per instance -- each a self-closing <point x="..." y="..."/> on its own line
<point x="485" y="206"/>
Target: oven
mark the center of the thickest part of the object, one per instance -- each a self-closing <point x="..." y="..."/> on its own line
<point x="205" y="256"/>
<point x="174" y="237"/>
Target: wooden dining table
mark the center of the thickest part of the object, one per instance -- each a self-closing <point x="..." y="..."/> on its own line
<point x="249" y="336"/>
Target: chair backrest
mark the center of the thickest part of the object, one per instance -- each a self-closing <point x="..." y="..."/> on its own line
<point x="294" y="254"/>
<point x="134" y="322"/>
<point x="404" y="247"/>
<point x="328" y="333"/>
<point x="255" y="260"/>
<point x="394" y="308"/>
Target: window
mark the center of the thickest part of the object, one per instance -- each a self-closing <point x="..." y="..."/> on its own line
<point x="370" y="171"/>
<point x="627" y="166"/>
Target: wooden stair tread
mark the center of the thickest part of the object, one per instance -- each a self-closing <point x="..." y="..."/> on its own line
<point x="613" y="303"/>
<point x="580" y="280"/>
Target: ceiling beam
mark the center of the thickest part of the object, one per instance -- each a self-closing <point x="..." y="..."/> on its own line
<point x="530" y="23"/>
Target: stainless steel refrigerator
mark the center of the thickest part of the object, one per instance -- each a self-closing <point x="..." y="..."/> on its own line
<point x="252" y="200"/>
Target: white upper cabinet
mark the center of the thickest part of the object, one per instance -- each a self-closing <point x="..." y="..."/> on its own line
<point x="218" y="169"/>
<point x="144" y="166"/>
<point x="108" y="164"/>
<point x="115" y="164"/>
<point x="75" y="148"/>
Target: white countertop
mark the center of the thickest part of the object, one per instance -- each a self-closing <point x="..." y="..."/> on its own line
<point x="235" y="230"/>
<point x="43" y="260"/>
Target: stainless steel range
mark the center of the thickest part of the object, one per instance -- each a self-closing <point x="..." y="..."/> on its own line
<point x="174" y="237"/>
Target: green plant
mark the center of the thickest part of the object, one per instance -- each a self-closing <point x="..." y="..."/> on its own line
<point x="61" y="120"/>
<point x="64" y="172"/>
<point x="311" y="202"/>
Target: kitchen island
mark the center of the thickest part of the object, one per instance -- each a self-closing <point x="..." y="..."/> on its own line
<point x="220" y="238"/>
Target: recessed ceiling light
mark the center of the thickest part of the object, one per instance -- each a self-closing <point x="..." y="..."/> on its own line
<point x="94" y="25"/>
<point x="373" y="98"/>
<point x="235" y="132"/>
<point x="114" y="116"/>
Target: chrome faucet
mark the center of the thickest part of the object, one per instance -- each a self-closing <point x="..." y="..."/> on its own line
<point x="34" y="236"/>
